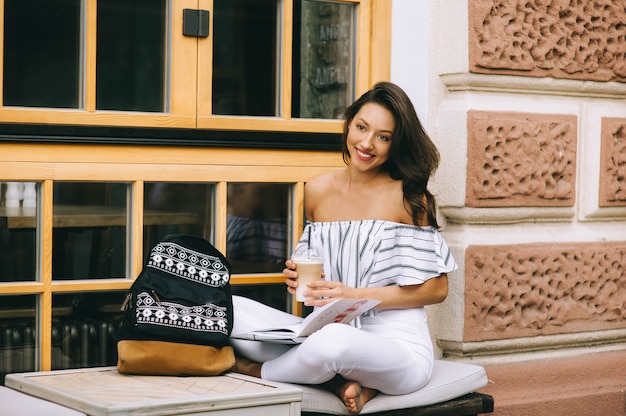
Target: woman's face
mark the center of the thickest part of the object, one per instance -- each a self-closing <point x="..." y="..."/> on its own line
<point x="369" y="137"/>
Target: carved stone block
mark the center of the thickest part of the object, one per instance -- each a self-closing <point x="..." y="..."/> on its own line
<point x="613" y="163"/>
<point x="527" y="290"/>
<point x="520" y="159"/>
<point x="582" y="40"/>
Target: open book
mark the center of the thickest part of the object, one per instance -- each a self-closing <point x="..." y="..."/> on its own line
<point x="341" y="311"/>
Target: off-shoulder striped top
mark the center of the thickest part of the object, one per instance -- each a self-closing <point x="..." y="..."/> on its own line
<point x="375" y="253"/>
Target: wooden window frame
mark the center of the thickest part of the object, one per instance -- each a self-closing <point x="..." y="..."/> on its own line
<point x="190" y="95"/>
<point x="46" y="145"/>
<point x="47" y="163"/>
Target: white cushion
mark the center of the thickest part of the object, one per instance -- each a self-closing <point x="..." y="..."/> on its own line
<point x="449" y="380"/>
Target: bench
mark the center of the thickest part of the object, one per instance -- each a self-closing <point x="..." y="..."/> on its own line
<point x="104" y="391"/>
<point x="450" y="391"/>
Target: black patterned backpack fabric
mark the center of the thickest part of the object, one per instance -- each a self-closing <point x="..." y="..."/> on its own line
<point x="181" y="303"/>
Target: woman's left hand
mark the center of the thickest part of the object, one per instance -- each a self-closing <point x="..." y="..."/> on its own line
<point x="327" y="291"/>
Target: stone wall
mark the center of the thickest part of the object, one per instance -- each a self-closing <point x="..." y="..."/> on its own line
<point x="613" y="162"/>
<point x="529" y="112"/>
<point x="561" y="39"/>
<point x="518" y="159"/>
<point x="527" y="290"/>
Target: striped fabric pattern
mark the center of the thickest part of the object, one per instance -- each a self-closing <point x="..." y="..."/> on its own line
<point x="376" y="253"/>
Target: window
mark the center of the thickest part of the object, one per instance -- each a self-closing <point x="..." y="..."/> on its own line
<point x="89" y="230"/>
<point x="281" y="64"/>
<point x="130" y="55"/>
<point x="83" y="195"/>
<point x="18" y="334"/>
<point x="245" y="58"/>
<point x="42" y="41"/>
<point x="18" y="249"/>
<point x="324" y="56"/>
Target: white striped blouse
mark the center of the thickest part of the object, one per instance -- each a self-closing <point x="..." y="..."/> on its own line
<point x="375" y="253"/>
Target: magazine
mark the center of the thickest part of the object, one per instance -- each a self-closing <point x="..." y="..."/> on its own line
<point x="340" y="311"/>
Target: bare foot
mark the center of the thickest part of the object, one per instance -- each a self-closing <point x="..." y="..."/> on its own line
<point x="354" y="396"/>
<point x="247" y="367"/>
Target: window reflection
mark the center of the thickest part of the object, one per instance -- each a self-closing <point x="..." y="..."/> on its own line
<point x="82" y="329"/>
<point x="131" y="55"/>
<point x="89" y="230"/>
<point x="18" y="235"/>
<point x="42" y="53"/>
<point x="18" y="335"/>
<point x="323" y="59"/>
<point x="274" y="295"/>
<point x="256" y="233"/>
<point x="177" y="208"/>
<point x="245" y="57"/>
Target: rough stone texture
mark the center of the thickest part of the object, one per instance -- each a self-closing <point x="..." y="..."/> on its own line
<point x="613" y="163"/>
<point x="526" y="290"/>
<point x="519" y="159"/>
<point x="582" y="40"/>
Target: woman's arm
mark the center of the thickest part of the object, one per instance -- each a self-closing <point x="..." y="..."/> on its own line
<point x="432" y="291"/>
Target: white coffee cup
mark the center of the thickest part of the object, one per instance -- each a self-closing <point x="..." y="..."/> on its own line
<point x="309" y="270"/>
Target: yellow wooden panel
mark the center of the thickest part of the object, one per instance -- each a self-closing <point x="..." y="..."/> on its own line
<point x="183" y="64"/>
<point x="380" y="55"/>
<point x="221" y="215"/>
<point x="45" y="248"/>
<point x="254" y="279"/>
<point x="140" y="155"/>
<point x="10" y="171"/>
<point x="270" y="124"/>
<point x="296" y="226"/>
<point x="286" y="72"/>
<point x="204" y="100"/>
<point x="363" y="81"/>
<point x="97" y="285"/>
<point x="96" y="118"/>
<point x="136" y="230"/>
<point x="91" y="36"/>
<point x="21" y="288"/>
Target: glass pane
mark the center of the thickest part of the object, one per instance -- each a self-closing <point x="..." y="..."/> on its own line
<point x="42" y="53"/>
<point x="177" y="208"/>
<point x="244" y="57"/>
<point x="82" y="329"/>
<point x="323" y="59"/>
<point x="256" y="233"/>
<point x="18" y="335"/>
<point x="130" y="68"/>
<point x="89" y="234"/>
<point x="274" y="295"/>
<point x="18" y="235"/>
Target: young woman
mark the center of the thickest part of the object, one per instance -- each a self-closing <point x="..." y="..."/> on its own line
<point x="375" y="223"/>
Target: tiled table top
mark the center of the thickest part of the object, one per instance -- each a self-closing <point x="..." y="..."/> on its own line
<point x="105" y="391"/>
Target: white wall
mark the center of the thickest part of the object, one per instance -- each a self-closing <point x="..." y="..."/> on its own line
<point x="409" y="52"/>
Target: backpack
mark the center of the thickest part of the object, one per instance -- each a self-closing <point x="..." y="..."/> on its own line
<point x="178" y="313"/>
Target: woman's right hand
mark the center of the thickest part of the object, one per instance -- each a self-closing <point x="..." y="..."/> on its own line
<point x="292" y="276"/>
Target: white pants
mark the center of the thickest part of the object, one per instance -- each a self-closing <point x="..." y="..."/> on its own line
<point x="337" y="349"/>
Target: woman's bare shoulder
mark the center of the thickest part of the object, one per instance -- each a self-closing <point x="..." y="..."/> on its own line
<point x="317" y="191"/>
<point x="322" y="183"/>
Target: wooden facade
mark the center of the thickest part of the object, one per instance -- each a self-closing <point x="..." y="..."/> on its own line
<point x="184" y="144"/>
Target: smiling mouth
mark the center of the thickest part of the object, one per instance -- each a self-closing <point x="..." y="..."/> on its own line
<point x="363" y="155"/>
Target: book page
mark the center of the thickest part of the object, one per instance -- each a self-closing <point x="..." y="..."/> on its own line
<point x="340" y="311"/>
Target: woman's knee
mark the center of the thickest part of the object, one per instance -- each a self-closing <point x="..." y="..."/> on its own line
<point x="329" y="343"/>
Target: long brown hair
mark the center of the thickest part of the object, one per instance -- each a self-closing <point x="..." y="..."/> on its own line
<point x="413" y="157"/>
